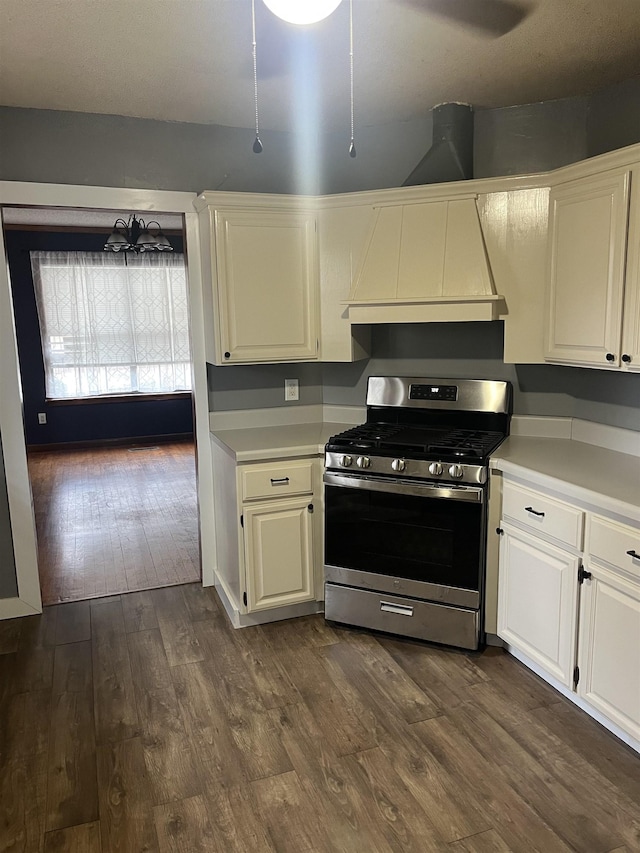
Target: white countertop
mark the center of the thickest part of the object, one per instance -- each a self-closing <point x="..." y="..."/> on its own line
<point x="256" y="444"/>
<point x="604" y="478"/>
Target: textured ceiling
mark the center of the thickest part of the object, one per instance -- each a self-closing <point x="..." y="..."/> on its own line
<point x="190" y="60"/>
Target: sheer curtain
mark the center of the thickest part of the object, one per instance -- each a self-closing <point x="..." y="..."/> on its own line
<point x="112" y="324"/>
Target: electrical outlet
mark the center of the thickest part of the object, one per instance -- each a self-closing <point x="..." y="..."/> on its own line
<point x="291" y="390"/>
<point x="42" y="417"/>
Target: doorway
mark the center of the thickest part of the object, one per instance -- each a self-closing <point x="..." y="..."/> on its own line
<point x="176" y="454"/>
<point x="95" y="331"/>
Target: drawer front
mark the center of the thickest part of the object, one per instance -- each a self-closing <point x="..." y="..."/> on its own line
<point x="543" y="515"/>
<point x="615" y="543"/>
<point x="277" y="480"/>
<point x="408" y="617"/>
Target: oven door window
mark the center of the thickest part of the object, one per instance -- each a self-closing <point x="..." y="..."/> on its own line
<point x="420" y="538"/>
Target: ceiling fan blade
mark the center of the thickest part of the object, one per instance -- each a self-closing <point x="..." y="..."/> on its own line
<point x="491" y="17"/>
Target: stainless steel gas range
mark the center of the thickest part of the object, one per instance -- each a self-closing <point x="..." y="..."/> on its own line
<point x="406" y="508"/>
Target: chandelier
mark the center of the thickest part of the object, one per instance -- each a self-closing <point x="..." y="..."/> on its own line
<point x="136" y="235"/>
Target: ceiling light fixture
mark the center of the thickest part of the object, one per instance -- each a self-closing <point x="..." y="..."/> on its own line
<point x="302" y="11"/>
<point x="299" y="12"/>
<point x="136" y="235"/>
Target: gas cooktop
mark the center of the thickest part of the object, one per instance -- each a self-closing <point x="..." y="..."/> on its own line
<point x="427" y="429"/>
<point x="417" y="442"/>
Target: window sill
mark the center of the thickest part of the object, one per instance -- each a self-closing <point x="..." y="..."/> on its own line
<point x="117" y="398"/>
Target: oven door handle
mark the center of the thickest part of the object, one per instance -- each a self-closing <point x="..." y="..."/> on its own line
<point x="397" y="487"/>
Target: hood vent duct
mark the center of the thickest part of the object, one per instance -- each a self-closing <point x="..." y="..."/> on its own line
<point x="450" y="157"/>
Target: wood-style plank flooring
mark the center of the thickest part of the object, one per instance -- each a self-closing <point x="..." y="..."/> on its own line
<point x="144" y="722"/>
<point x="115" y="519"/>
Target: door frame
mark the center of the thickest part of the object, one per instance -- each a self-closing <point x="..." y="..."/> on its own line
<point x="23" y="530"/>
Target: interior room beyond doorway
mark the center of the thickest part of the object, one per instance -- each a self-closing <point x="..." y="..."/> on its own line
<point x="115" y="519"/>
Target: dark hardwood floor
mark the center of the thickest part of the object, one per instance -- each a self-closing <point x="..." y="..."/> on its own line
<point x="144" y="722"/>
<point x="115" y="519"/>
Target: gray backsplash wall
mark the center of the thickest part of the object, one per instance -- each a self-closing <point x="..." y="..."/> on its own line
<point x="474" y="351"/>
<point x="439" y="351"/>
<point x="8" y="580"/>
<point x="261" y="386"/>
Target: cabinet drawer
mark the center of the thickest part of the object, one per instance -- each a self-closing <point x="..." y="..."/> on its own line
<point x="543" y="515"/>
<point x="277" y="480"/>
<point x="612" y="542"/>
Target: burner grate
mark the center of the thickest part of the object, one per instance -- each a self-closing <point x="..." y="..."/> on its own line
<point x="410" y="440"/>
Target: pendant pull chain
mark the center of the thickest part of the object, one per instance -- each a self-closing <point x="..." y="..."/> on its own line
<point x="352" y="147"/>
<point x="257" y="144"/>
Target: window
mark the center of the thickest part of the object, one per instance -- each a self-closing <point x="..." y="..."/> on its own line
<point x="112" y="324"/>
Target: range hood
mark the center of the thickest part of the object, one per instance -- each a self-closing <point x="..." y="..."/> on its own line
<point x="424" y="262"/>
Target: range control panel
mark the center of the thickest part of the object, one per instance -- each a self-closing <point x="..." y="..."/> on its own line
<point x="448" y="393"/>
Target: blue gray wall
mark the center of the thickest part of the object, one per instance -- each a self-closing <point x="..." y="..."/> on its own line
<point x="69" y="423"/>
<point x="79" y="148"/>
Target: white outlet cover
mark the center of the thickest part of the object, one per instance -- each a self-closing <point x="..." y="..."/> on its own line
<point x="291" y="389"/>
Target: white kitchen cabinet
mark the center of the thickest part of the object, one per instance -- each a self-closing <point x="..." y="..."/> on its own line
<point x="514" y="226"/>
<point x="279" y="552"/>
<point x="631" y="309"/>
<point x="609" y="641"/>
<point x="278" y="533"/>
<point x="609" y="644"/>
<point x="538" y="588"/>
<point x="592" y="286"/>
<point x="569" y="596"/>
<point x="537" y="598"/>
<point x="268" y="530"/>
<point x="342" y="227"/>
<point x="260" y="254"/>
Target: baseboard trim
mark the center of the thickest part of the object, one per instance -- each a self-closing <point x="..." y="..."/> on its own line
<point x="277" y="614"/>
<point x="135" y="441"/>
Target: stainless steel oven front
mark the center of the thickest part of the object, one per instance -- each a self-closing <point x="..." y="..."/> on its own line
<point x="405" y="557"/>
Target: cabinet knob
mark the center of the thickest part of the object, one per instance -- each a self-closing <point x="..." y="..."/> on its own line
<point x="310" y="507"/>
<point x="610" y="356"/>
<point x="228" y="355"/>
<point x="499" y="531"/>
<point x="626" y="358"/>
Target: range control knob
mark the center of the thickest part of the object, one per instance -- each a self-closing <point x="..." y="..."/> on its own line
<point x="346" y="461"/>
<point x="455" y="471"/>
<point x="398" y="465"/>
<point x="435" y="469"/>
<point x="363" y="462"/>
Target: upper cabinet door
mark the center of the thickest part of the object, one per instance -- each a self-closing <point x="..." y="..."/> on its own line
<point x="586" y="267"/>
<point x="267" y="272"/>
<point x="631" y="316"/>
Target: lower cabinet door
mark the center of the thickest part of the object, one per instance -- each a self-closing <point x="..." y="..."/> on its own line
<point x="537" y="602"/>
<point x="279" y="553"/>
<point x="609" y="648"/>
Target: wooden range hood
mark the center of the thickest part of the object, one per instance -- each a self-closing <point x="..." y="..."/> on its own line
<point x="424" y="262"/>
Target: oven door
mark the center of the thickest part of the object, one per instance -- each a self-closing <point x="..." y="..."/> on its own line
<point x="419" y="540"/>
